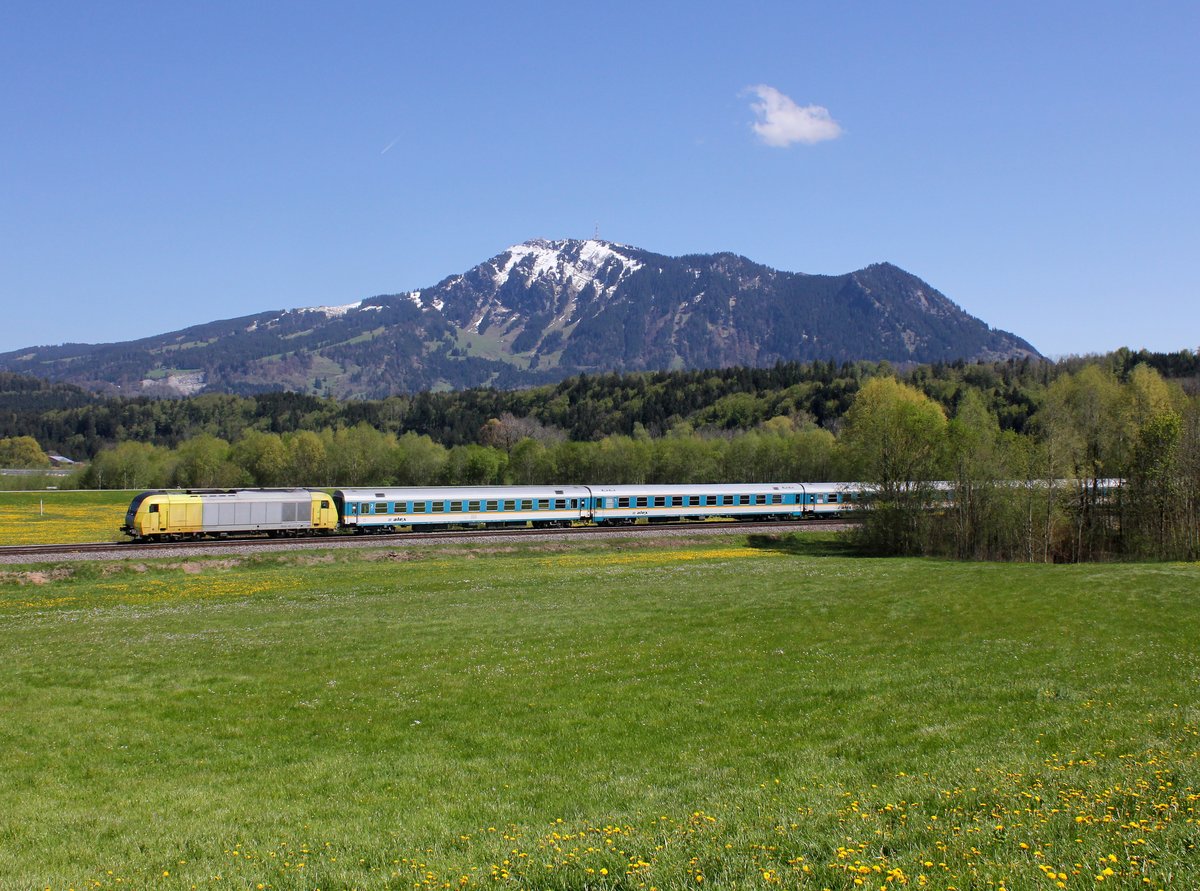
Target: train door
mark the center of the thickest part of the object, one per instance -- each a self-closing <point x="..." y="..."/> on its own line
<point x="802" y="501"/>
<point x="158" y="517"/>
<point x="324" y="514"/>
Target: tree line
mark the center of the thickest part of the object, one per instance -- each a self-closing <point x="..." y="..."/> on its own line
<point x="1009" y="460"/>
<point x="1109" y="468"/>
<point x="584" y="408"/>
<point x="512" y="451"/>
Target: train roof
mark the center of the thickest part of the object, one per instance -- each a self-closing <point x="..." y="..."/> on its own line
<point x="700" y="489"/>
<point x="446" y="493"/>
<point x="236" y="494"/>
<point x="819" y="488"/>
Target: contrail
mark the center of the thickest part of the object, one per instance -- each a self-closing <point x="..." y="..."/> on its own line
<point x="390" y="144"/>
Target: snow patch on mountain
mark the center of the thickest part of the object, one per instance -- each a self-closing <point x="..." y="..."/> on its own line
<point x="565" y="263"/>
<point x="332" y="312"/>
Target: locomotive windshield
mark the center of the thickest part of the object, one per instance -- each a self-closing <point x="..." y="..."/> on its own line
<point x="135" y="504"/>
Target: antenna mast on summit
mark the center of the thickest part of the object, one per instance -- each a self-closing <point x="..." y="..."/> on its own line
<point x="596" y="233"/>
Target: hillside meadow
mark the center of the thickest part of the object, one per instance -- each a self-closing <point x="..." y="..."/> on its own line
<point x="730" y="712"/>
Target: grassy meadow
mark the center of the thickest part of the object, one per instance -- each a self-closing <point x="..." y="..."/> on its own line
<point x="703" y="713"/>
<point x="68" y="517"/>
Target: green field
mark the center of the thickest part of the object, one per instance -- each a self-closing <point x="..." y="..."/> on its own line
<point x="715" y="713"/>
<point x="28" y="518"/>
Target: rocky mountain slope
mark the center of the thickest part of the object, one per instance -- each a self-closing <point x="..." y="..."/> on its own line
<point x="538" y="312"/>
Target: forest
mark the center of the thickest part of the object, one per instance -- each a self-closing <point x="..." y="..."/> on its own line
<point x="1007" y="460"/>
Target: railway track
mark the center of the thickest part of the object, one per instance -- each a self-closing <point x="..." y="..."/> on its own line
<point x="142" y="550"/>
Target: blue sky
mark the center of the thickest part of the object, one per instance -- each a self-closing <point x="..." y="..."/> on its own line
<point x="165" y="164"/>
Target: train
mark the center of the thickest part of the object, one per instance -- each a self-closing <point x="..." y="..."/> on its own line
<point x="181" y="515"/>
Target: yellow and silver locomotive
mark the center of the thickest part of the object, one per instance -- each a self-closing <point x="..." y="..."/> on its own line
<point x="174" y="516"/>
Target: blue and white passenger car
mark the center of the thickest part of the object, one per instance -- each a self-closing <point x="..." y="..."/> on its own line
<point x="613" y="505"/>
<point x="385" y="509"/>
<point x="833" y="499"/>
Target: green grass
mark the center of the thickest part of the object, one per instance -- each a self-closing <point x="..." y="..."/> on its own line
<point x="65" y="517"/>
<point x="34" y="482"/>
<point x="726" y="714"/>
<point x="489" y="346"/>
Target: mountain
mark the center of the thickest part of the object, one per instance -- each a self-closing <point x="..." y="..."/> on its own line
<point x="539" y="312"/>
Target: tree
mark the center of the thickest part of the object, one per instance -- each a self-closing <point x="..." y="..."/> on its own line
<point x="22" y="452"/>
<point x="893" y="438"/>
<point x="620" y="460"/>
<point x="811" y="456"/>
<point x="474" y="465"/>
<point x="308" y="462"/>
<point x="1085" y="425"/>
<point x="203" y="463"/>
<point x="681" y="458"/>
<point x="419" y="461"/>
<point x="507" y="430"/>
<point x="529" y="463"/>
<point x="263" y="456"/>
<point x="131" y="465"/>
<point x="360" y="455"/>
<point x="1155" y="487"/>
<point x="976" y="470"/>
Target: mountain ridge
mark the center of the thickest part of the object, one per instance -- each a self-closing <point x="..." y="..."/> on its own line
<point x="538" y="312"/>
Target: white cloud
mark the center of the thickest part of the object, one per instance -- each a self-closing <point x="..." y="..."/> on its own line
<point x="781" y="122"/>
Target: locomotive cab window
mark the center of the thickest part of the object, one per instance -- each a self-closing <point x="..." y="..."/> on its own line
<point x="154" y="508"/>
